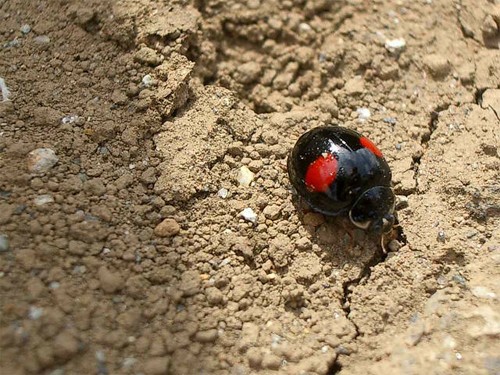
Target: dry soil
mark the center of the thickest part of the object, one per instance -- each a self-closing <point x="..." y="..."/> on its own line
<point x="122" y="245"/>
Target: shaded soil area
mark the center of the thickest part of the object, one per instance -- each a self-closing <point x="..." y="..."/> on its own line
<point x="137" y="135"/>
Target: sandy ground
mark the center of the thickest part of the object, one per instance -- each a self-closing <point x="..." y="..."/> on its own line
<point x="122" y="247"/>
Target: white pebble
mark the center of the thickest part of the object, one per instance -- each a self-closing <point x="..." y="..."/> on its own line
<point x="129" y="362"/>
<point x="4" y="90"/>
<point x="42" y="39"/>
<point x="245" y="176"/>
<point x="483" y="292"/>
<point x="41" y="160"/>
<point x="304" y="27"/>
<point x="275" y="339"/>
<point x="147" y="80"/>
<point x="363" y="113"/>
<point x="249" y="215"/>
<point x="395" y="45"/>
<point x="100" y="356"/>
<point x="35" y="313"/>
<point x="225" y="262"/>
<point x="4" y="243"/>
<point x="223" y="193"/>
<point x="69" y="119"/>
<point x="25" y="29"/>
<point x="43" y="199"/>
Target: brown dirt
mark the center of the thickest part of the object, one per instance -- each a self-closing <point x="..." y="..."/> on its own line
<point x="120" y="253"/>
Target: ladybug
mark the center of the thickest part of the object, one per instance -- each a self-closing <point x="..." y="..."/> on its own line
<point x="337" y="171"/>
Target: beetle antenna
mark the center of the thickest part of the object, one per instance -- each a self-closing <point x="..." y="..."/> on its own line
<point x="382" y="244"/>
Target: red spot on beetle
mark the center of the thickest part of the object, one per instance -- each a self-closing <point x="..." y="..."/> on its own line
<point x="366" y="143"/>
<point x="321" y="173"/>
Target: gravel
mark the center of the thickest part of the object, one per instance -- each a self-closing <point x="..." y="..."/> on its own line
<point x="4" y="243"/>
<point x="41" y="160"/>
<point x="249" y="215"/>
<point x="245" y="176"/>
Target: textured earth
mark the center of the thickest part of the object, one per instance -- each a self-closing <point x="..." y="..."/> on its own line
<point x="134" y="133"/>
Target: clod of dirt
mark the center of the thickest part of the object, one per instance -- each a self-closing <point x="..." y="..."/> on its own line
<point x="167" y="228"/>
<point x="156" y="366"/>
<point x="146" y="55"/>
<point x="110" y="282"/>
<point x="437" y="65"/>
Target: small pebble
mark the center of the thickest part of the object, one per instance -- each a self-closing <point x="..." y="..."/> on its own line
<point x="459" y="279"/>
<point x="249" y="215"/>
<point x="4" y="243"/>
<point x="100" y="356"/>
<point x="223" y="193"/>
<point x="304" y="27"/>
<point x="40" y="200"/>
<point x="25" y="29"/>
<point x="245" y="176"/>
<point x="147" y="80"/>
<point x="395" y="45"/>
<point x="167" y="228"/>
<point x="42" y="39"/>
<point x="35" y="313"/>
<point x="394" y="246"/>
<point x="129" y="362"/>
<point x="441" y="236"/>
<point x="225" y="262"/>
<point x="41" y="160"/>
<point x="389" y="120"/>
<point x="363" y="114"/>
<point x="4" y="90"/>
<point x="69" y="119"/>
<point x="483" y="292"/>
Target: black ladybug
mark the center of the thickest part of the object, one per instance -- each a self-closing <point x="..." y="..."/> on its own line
<point x="338" y="171"/>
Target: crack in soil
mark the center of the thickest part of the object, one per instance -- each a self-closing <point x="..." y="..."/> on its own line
<point x="345" y="301"/>
<point x="434" y="117"/>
